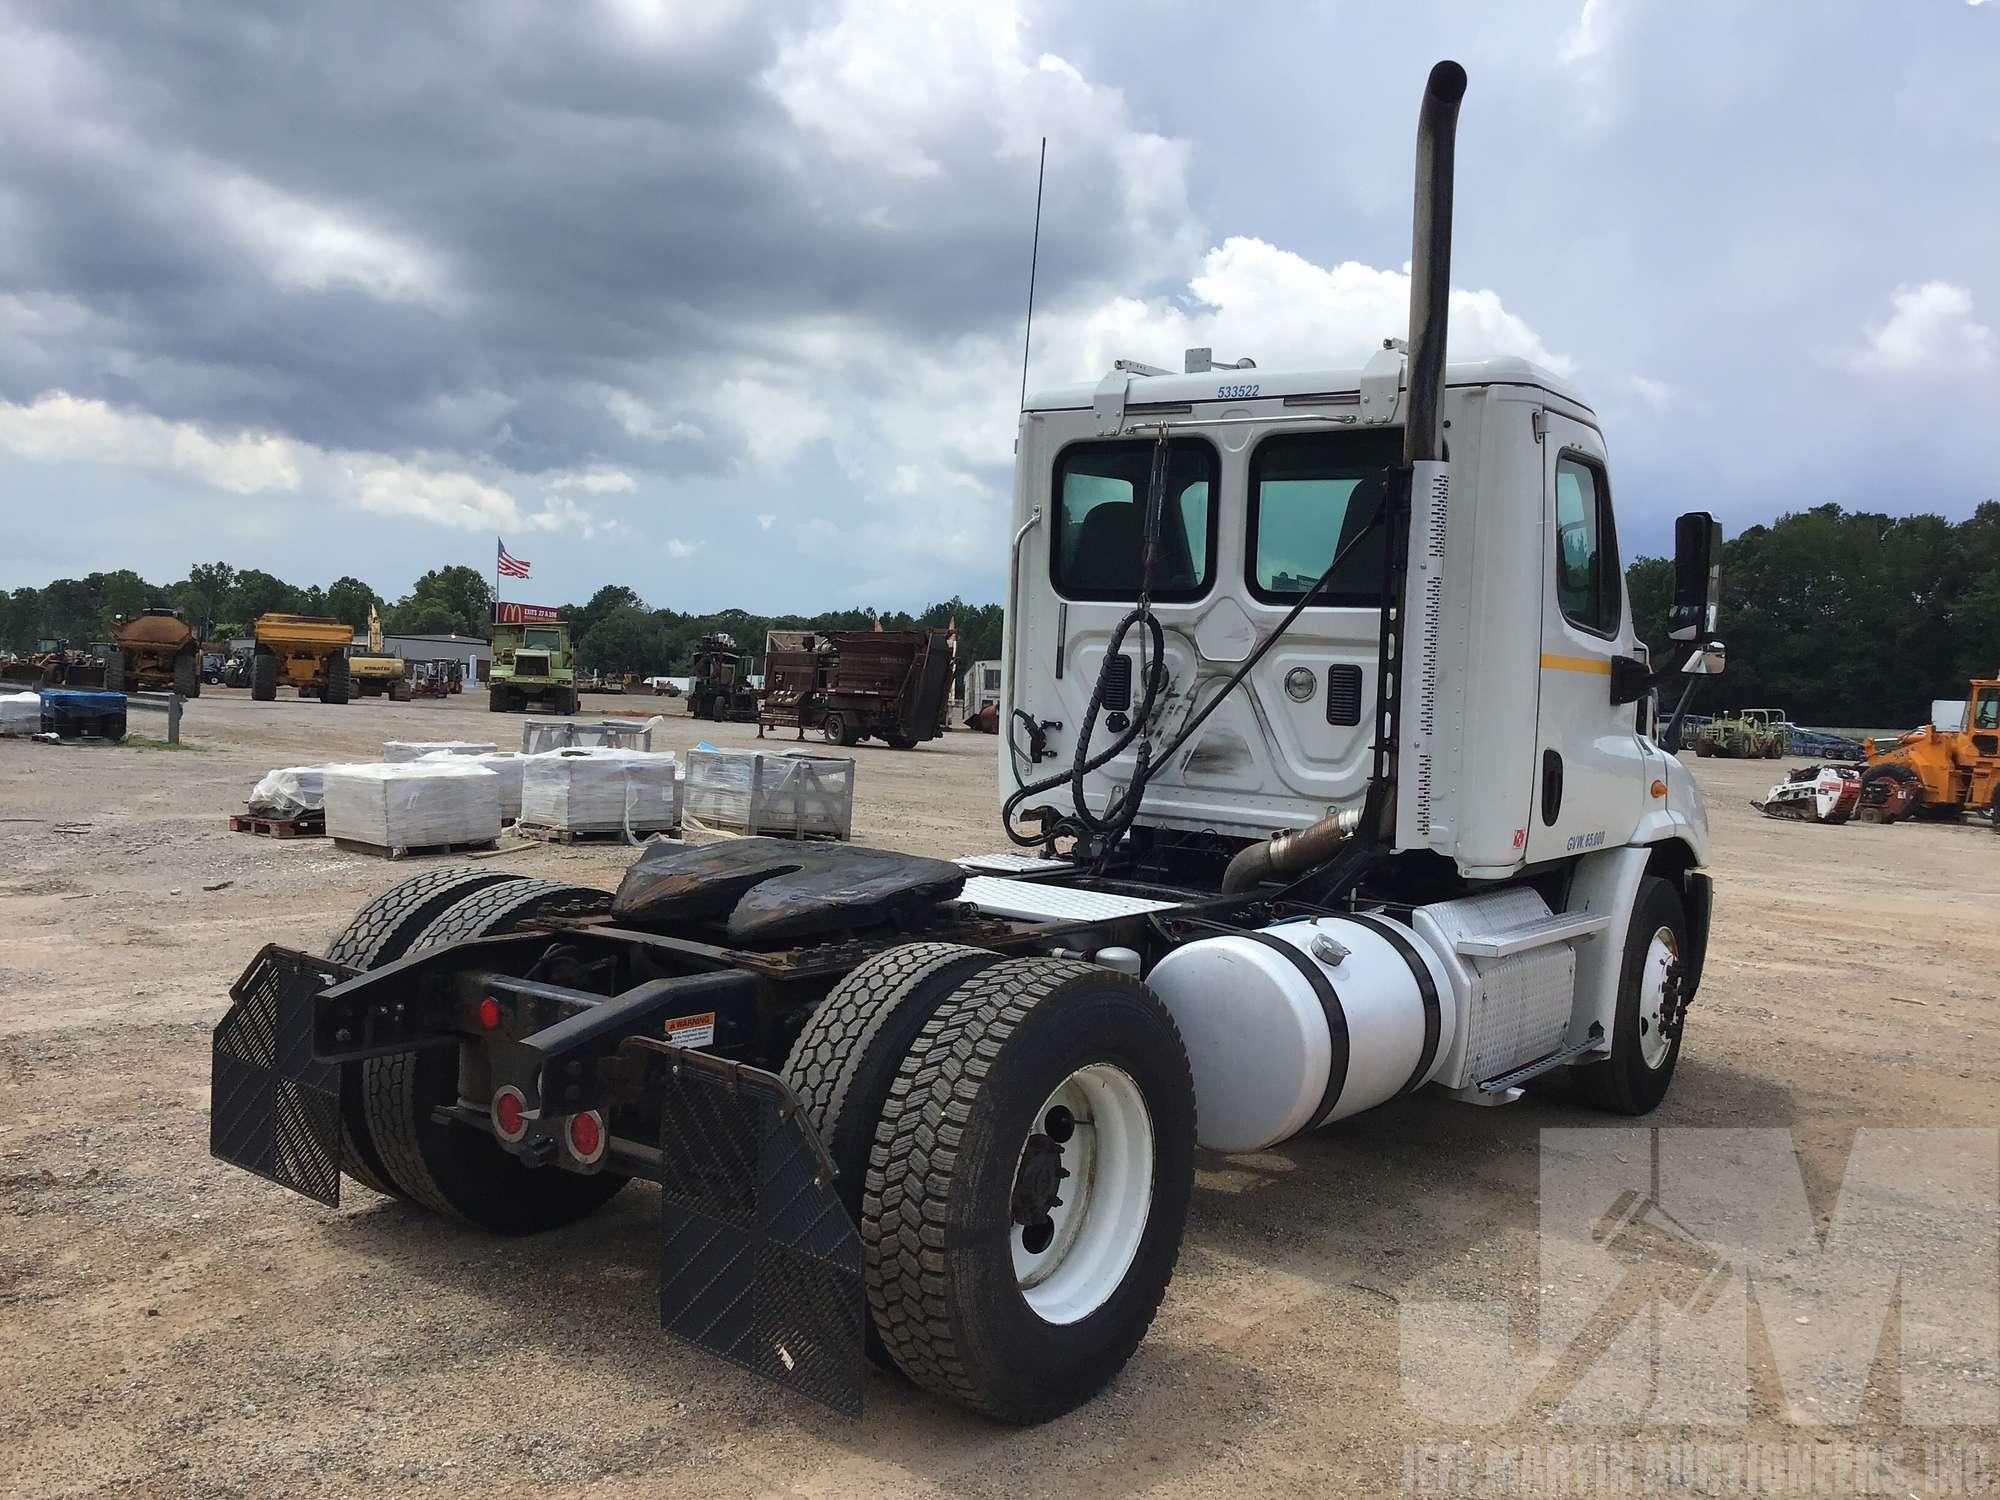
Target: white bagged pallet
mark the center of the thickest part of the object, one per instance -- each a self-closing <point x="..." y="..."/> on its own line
<point x="788" y="796"/>
<point x="413" y="804"/>
<point x="601" y="791"/>
<point x="289" y="792"/>
<point x="401" y="750"/>
<point x="20" y="713"/>
<point x="506" y="764"/>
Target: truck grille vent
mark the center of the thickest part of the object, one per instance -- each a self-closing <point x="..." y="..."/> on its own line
<point x="531" y="666"/>
<point x="1427" y="686"/>
<point x="1440" y="509"/>
<point x="1343" y="693"/>
<point x="1118" y="684"/>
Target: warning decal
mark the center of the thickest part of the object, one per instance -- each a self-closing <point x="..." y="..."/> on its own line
<point x="691" y="1031"/>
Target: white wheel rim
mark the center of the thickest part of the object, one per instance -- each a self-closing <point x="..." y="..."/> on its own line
<point x="1661" y="952"/>
<point x="1106" y="1197"/>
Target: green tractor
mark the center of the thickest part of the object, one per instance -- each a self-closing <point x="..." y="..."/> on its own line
<point x="1748" y="734"/>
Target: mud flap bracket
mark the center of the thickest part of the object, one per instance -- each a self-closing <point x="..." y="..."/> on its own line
<point x="759" y="1261"/>
<point x="274" y="1109"/>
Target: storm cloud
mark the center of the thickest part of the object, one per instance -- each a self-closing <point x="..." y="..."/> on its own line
<point x="723" y="300"/>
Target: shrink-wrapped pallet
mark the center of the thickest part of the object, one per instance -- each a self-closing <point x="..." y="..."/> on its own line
<point x="413" y="804"/>
<point x="796" y="795"/>
<point x="601" y="791"/>
<point x="400" y="750"/>
<point x="505" y="764"/>
<point x="20" y="713"/>
<point x="289" y="793"/>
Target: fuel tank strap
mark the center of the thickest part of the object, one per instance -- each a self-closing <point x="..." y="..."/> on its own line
<point x="1426" y="992"/>
<point x="1336" y="1020"/>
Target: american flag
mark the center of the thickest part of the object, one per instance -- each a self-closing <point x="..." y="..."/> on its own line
<point x="511" y="567"/>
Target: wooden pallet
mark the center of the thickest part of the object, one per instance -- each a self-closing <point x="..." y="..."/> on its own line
<point x="405" y="851"/>
<point x="552" y="835"/>
<point x="309" y="826"/>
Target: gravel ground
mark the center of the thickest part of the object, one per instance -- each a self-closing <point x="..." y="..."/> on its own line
<point x="175" y="1326"/>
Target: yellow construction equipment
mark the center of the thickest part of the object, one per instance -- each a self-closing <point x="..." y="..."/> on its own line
<point x="154" y="651"/>
<point x="374" y="672"/>
<point x="307" y="651"/>
<point x="1938" y="771"/>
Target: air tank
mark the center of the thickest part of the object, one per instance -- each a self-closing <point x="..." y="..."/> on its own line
<point x="1301" y="1024"/>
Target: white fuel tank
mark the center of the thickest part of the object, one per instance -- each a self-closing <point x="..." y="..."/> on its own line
<point x="1304" y="1023"/>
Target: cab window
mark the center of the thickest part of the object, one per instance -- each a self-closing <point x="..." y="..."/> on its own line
<point x="541" y="640"/>
<point x="1100" y="502"/>
<point x="1587" y="578"/>
<point x="1986" y="712"/>
<point x="1312" y="494"/>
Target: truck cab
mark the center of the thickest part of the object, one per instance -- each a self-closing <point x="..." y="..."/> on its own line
<point x="1525" y="741"/>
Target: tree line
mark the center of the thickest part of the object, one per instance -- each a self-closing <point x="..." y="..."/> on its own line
<point x="615" y="631"/>
<point x="1850" y="619"/>
<point x="1847" y="618"/>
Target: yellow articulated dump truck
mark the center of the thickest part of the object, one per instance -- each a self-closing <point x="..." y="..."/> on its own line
<point x="154" y="651"/>
<point x="308" y="652"/>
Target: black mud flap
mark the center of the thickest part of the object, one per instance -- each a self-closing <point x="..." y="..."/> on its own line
<point x="759" y="1262"/>
<point x="273" y="1109"/>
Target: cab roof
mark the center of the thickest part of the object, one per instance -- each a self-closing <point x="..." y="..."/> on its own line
<point x="1210" y="385"/>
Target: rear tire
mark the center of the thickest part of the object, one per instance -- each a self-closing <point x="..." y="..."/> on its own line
<point x="187" y="675"/>
<point x="458" y="1171"/>
<point x="969" y="1297"/>
<point x="379" y="934"/>
<point x="114" y="671"/>
<point x="338" y="681"/>
<point x="264" y="677"/>
<point x="1635" y="1078"/>
<point x="846" y="1059"/>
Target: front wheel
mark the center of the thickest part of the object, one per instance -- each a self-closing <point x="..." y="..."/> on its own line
<point x="1028" y="1186"/>
<point x="1652" y="1006"/>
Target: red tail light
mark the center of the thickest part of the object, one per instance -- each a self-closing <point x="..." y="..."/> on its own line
<point x="489" y="1013"/>
<point x="510" y="1114"/>
<point x="587" y="1137"/>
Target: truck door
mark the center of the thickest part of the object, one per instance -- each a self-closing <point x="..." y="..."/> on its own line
<point x="1590" y="772"/>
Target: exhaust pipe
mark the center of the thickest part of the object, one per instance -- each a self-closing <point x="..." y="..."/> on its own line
<point x="1289" y="853"/>
<point x="1430" y="262"/>
<point x="1423" y="440"/>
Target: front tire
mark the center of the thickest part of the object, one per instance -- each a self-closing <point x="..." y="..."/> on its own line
<point x="114" y="671"/>
<point x="1648" y="1026"/>
<point x="1028" y="1187"/>
<point x="338" y="681"/>
<point x="187" y="675"/>
<point x="264" y="677"/>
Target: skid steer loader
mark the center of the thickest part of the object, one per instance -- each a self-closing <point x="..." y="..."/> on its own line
<point x="1328" y="769"/>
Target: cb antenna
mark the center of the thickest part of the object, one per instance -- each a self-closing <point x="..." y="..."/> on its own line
<point x="1034" y="257"/>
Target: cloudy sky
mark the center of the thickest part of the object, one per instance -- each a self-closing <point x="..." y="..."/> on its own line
<point x="723" y="301"/>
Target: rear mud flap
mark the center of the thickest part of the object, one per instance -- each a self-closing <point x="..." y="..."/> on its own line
<point x="273" y="1109"/>
<point x="759" y="1262"/>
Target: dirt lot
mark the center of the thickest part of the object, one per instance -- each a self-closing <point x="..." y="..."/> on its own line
<point x="175" y="1326"/>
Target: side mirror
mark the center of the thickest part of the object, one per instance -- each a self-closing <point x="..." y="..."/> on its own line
<point x="1705" y="661"/>
<point x="1697" y="577"/>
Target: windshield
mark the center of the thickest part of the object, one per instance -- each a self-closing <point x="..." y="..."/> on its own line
<point x="541" y="640"/>
<point x="1986" y="712"/>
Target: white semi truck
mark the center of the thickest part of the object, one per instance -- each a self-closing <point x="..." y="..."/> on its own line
<point x="1327" y="757"/>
